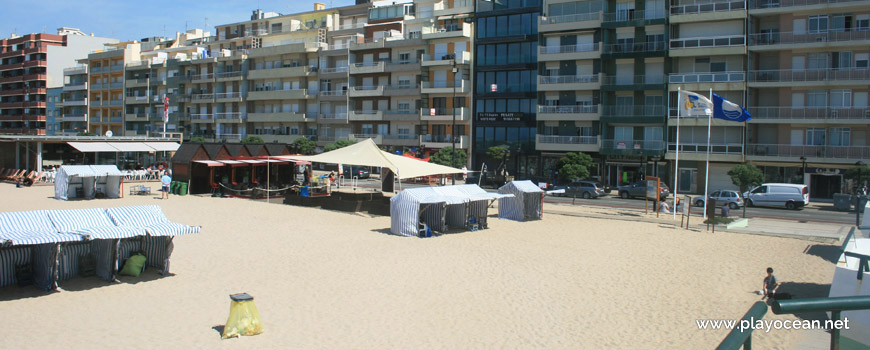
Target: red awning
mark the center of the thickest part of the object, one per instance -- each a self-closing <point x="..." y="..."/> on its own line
<point x="210" y="163"/>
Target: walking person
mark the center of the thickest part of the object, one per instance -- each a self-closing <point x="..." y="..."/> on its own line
<point x="165" y="180"/>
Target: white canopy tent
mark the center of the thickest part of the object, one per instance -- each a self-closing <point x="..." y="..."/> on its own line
<point x="367" y="153"/>
<point x="90" y="178"/>
<point x="440" y="207"/>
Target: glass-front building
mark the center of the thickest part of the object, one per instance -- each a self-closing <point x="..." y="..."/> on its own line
<point x="505" y="92"/>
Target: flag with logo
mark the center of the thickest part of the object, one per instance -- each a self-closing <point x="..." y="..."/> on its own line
<point x="727" y="110"/>
<point x="694" y="105"/>
<point x="165" y="109"/>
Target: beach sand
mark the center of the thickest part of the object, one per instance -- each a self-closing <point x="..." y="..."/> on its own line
<point x="330" y="280"/>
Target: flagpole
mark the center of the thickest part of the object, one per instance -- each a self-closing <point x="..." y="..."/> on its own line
<point x="677" y="156"/>
<point x="707" y="172"/>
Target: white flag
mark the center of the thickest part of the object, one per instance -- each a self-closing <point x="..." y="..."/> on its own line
<point x="694" y="105"/>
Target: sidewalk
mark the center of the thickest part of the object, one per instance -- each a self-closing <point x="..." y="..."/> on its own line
<point x="794" y="229"/>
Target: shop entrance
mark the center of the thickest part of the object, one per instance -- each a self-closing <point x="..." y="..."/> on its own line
<point x="621" y="174"/>
<point x="824" y="186"/>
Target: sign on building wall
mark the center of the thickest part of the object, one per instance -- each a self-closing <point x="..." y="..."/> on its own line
<point x="501" y="116"/>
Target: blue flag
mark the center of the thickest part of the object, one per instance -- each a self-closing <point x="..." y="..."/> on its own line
<point x="724" y="109"/>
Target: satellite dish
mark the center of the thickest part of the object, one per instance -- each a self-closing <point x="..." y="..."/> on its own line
<point x="109" y="133"/>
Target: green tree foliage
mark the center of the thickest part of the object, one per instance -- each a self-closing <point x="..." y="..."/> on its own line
<point x="338" y="144"/>
<point x="574" y="166"/>
<point x="745" y="176"/>
<point x="443" y="157"/>
<point x="304" y="145"/>
<point x="85" y="133"/>
<point x="252" y="139"/>
<point x="498" y="152"/>
<point x="197" y="139"/>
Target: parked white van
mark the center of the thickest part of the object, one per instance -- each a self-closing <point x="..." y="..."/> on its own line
<point x="791" y="196"/>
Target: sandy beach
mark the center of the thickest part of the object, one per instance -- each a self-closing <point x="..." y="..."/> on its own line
<point x="330" y="280"/>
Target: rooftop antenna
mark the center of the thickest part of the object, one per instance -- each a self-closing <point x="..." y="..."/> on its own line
<point x="185" y="26"/>
<point x="206" y="23"/>
<point x="164" y="32"/>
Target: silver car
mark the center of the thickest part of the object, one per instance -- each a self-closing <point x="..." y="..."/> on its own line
<point x="733" y="198"/>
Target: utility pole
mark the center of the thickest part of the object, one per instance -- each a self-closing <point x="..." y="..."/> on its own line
<point x="453" y="126"/>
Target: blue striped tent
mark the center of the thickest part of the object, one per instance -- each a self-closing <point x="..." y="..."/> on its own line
<point x="477" y="204"/>
<point x="411" y="205"/>
<point x="29" y="228"/>
<point x="29" y="238"/>
<point x="526" y="204"/>
<point x="93" y="223"/>
<point x="151" y="218"/>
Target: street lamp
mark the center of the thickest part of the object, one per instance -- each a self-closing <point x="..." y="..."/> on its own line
<point x="803" y="168"/>
<point x="860" y="165"/>
<point x="453" y="126"/>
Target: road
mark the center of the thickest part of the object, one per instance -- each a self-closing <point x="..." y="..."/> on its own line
<point x="815" y="212"/>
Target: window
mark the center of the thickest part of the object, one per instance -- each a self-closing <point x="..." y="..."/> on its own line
<point x="861" y="61"/>
<point x="818" y="24"/>
<point x="842" y="23"/>
<point x="405" y="57"/>
<point x="817" y="99"/>
<point x="367" y="129"/>
<point x="863" y="22"/>
<point x="817" y="61"/>
<point x="623" y="133"/>
<point x="841" y="98"/>
<point x="839" y="136"/>
<point x="383" y="129"/>
<point x="815" y="136"/>
<point x="843" y="60"/>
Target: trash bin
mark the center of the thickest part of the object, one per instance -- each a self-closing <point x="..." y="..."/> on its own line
<point x="726" y="211"/>
<point x="862" y="202"/>
<point x="244" y="317"/>
<point x="173" y="187"/>
<point x="182" y="189"/>
<point x="843" y="202"/>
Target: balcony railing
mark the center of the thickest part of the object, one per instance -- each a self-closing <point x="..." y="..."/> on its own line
<point x="333" y="93"/>
<point x="350" y="26"/>
<point x="715" y="148"/>
<point x="818" y="151"/>
<point x="650" y="145"/>
<point x="697" y="7"/>
<point x="201" y="116"/>
<point x="708" y="42"/>
<point x="228" y="74"/>
<point x="706" y="77"/>
<point x="568" y="109"/>
<point x="775" y="38"/>
<point x="633" y="15"/>
<point x="634" y="80"/>
<point x="784" y="75"/>
<point x="334" y="70"/>
<point x="811" y="113"/>
<point x="443" y="84"/>
<point x="567" y="79"/>
<point x="595" y="16"/>
<point x="544" y="50"/>
<point x="227" y="115"/>
<point x="333" y="116"/>
<point x="634" y="111"/>
<point x="228" y="95"/>
<point x="568" y="140"/>
<point x="652" y="46"/>
<point x="763" y="4"/>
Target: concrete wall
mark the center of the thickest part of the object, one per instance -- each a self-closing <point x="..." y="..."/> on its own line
<point x="60" y="57"/>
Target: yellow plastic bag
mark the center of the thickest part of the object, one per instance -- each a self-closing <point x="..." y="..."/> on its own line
<point x="244" y="318"/>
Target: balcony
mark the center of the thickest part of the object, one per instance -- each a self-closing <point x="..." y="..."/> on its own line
<point x="633" y="50"/>
<point x="445" y="87"/>
<point x="720" y="81"/>
<point x="402" y="90"/>
<point x="633" y="18"/>
<point x="569" y="82"/>
<point x="377" y="138"/>
<point x="202" y="118"/>
<point x="569" y="52"/>
<point x="335" y="95"/>
<point x="287" y="139"/>
<point x="637" y="82"/>
<point x="446" y="59"/>
<point x="132" y="99"/>
<point x="229" y="76"/>
<point x="332" y="72"/>
<point x="75" y="102"/>
<point x="297" y="94"/>
<point x="569" y="22"/>
<point x="439" y="141"/>
<point x="114" y="103"/>
<point x="366" y="115"/>
<point x="77" y="70"/>
<point x="627" y="114"/>
<point x="95" y="103"/>
<point x="403" y="66"/>
<point x="367" y="67"/>
<point x="790" y="40"/>
<point x="223" y="97"/>
<point x="116" y="85"/>
<point x="201" y="78"/>
<point x="74" y="87"/>
<point x="565" y="113"/>
<point x="445" y="114"/>
<point x="401" y="140"/>
<point x="202" y="98"/>
<point x="832" y="77"/>
<point x="451" y="31"/>
<point x="75" y="118"/>
<point x="281" y="72"/>
<point x="229" y="117"/>
<point x="707" y="46"/>
<point x="566" y="143"/>
<point x="813" y="153"/>
<point x="136" y="117"/>
<point x="366" y="91"/>
<point x="332" y="118"/>
<point x="278" y="50"/>
<point x="701" y="11"/>
<point x="459" y="7"/>
<point x="277" y="117"/>
<point x="402" y="115"/>
<point x="790" y="6"/>
<point x="633" y="147"/>
<point x="809" y="115"/>
<point x="721" y="152"/>
<point x="140" y="82"/>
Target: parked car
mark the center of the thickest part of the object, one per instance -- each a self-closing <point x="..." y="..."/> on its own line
<point x="733" y="198"/>
<point x="638" y="189"/>
<point x="792" y="196"/>
<point x="584" y="189"/>
<point x="358" y="172"/>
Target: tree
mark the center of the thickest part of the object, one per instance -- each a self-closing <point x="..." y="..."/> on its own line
<point x="197" y="139"/>
<point x="574" y="166"/>
<point x="443" y="157"/>
<point x="338" y="144"/>
<point x="852" y="174"/>
<point x="745" y="176"/>
<point x="252" y="139"/>
<point x="304" y="146"/>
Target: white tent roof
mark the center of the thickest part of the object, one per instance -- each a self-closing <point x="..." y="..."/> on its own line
<point x="163" y="146"/>
<point x="93" y="146"/>
<point x="367" y="153"/>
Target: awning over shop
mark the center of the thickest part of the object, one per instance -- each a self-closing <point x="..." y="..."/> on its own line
<point x="92" y="146"/>
<point x="124" y="146"/>
<point x="210" y="163"/>
<point x="253" y="162"/>
<point x="233" y="163"/>
<point x="163" y="146"/>
<point x="131" y="147"/>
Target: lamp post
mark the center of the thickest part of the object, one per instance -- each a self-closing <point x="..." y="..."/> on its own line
<point x="860" y="165"/>
<point x="453" y="126"/>
<point x="803" y="168"/>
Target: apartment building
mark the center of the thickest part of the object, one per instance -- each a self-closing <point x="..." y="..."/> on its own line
<point x="106" y="89"/>
<point x="569" y="81"/>
<point x="506" y="85"/>
<point x="31" y="64"/>
<point x="52" y="110"/>
<point x="74" y="105"/>
<point x="707" y="52"/>
<point x="808" y="82"/>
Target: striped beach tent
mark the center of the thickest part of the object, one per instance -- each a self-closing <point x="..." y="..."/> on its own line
<point x="90" y="178"/>
<point x="526" y="204"/>
<point x="29" y="239"/>
<point x="93" y="223"/>
<point x="412" y="205"/>
<point x="151" y="218"/>
<point x="476" y="205"/>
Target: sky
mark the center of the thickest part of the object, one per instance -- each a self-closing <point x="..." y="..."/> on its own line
<point x="133" y="20"/>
